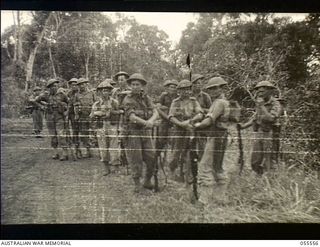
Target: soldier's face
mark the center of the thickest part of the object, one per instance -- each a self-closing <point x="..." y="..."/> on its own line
<point x="264" y="92"/>
<point x="172" y="89"/>
<point x="122" y="80"/>
<point x="37" y="92"/>
<point x="136" y="87"/>
<point x="53" y="89"/>
<point x="82" y="87"/>
<point x="184" y="92"/>
<point x="214" y="91"/>
<point x="105" y="92"/>
<point x="197" y="85"/>
<point x="74" y="87"/>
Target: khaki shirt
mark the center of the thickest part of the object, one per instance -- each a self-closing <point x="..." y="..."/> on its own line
<point x="57" y="104"/>
<point x="184" y="109"/>
<point x="166" y="100"/>
<point x="219" y="113"/>
<point x="261" y="121"/>
<point x="140" y="105"/>
<point x="106" y="107"/>
<point x="204" y="100"/>
<point x="86" y="100"/>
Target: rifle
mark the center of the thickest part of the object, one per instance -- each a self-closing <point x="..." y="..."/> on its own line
<point x="158" y="160"/>
<point x="241" y="160"/>
<point x="123" y="158"/>
<point x="194" y="163"/>
<point x="193" y="147"/>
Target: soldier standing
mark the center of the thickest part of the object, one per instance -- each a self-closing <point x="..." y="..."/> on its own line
<point x="121" y="89"/>
<point x="264" y="121"/>
<point x="163" y="108"/>
<point x="140" y="115"/>
<point x="103" y="113"/>
<point x="86" y="100"/>
<point x="205" y="102"/>
<point x="184" y="112"/>
<point x="211" y="167"/>
<point x="56" y="109"/>
<point x="73" y="115"/>
<point x="37" y="112"/>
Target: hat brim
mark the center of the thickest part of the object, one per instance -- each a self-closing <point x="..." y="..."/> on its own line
<point x="134" y="79"/>
<point x="218" y="85"/>
<point x="194" y="80"/>
<point x="272" y="87"/>
<point x="117" y="75"/>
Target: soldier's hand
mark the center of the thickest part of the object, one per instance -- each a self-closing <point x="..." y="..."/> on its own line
<point x="121" y="112"/>
<point x="98" y="113"/>
<point x="197" y="125"/>
<point x="148" y="124"/>
<point x="239" y="126"/>
<point x="76" y="116"/>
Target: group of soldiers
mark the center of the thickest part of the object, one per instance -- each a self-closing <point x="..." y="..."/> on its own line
<point x="189" y="127"/>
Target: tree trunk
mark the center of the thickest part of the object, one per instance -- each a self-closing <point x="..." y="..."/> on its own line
<point x="33" y="52"/>
<point x="15" y="37"/>
<point x="52" y="63"/>
<point x="87" y="66"/>
<point x="19" y="39"/>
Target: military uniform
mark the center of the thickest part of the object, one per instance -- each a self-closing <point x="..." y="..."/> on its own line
<point x="183" y="109"/>
<point x="165" y="126"/>
<point x="56" y="110"/>
<point x="263" y="152"/>
<point x="73" y="98"/>
<point x="86" y="100"/>
<point x="212" y="164"/>
<point x="265" y="121"/>
<point x="104" y="124"/>
<point x="37" y="113"/>
<point x="139" y="145"/>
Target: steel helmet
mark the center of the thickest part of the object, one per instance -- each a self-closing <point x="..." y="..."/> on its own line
<point x="196" y="77"/>
<point x="72" y="80"/>
<point x="138" y="77"/>
<point x="61" y="90"/>
<point x="36" y="88"/>
<point x="82" y="80"/>
<point x="170" y="82"/>
<point x="105" y="84"/>
<point x="264" y="84"/>
<point x="215" y="82"/>
<point x="52" y="81"/>
<point x="121" y="73"/>
<point x="184" y="84"/>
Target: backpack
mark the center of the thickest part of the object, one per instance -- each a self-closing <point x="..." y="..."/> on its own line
<point x="235" y="111"/>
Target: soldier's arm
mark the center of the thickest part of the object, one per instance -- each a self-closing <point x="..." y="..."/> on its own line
<point x="173" y="115"/>
<point x="199" y="113"/>
<point x="273" y="114"/>
<point x="215" y="111"/>
<point x="161" y="108"/>
<point x="130" y="112"/>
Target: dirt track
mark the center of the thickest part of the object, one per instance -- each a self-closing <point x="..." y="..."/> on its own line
<point x="37" y="189"/>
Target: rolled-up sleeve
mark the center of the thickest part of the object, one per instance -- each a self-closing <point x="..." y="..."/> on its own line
<point x="216" y="110"/>
<point x="173" y="110"/>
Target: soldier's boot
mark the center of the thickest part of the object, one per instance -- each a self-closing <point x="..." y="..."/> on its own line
<point x="107" y="170"/>
<point x="64" y="154"/>
<point x="78" y="153"/>
<point x="88" y="153"/>
<point x="55" y="156"/>
<point x="72" y="154"/>
<point x="147" y="184"/>
<point x="137" y="185"/>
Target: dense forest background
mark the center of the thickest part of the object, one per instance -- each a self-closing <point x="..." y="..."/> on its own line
<point x="242" y="50"/>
